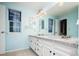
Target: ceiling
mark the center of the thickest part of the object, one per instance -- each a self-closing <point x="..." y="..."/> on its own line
<point x="36" y="6"/>
<point x="61" y="9"/>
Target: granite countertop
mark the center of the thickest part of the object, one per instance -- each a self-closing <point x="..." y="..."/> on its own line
<point x="59" y="39"/>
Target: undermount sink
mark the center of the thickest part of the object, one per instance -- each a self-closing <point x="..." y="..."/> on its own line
<point x="41" y="35"/>
<point x="65" y="37"/>
<point x="56" y="37"/>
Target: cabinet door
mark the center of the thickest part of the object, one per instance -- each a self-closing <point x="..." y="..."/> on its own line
<point x="65" y="50"/>
<point x="39" y="50"/>
<point x="57" y="53"/>
<point x="48" y="51"/>
<point x="30" y="41"/>
<point x="39" y="47"/>
<point x="33" y="43"/>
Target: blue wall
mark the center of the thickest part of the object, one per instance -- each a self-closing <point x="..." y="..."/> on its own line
<point x="78" y="24"/>
<point x="72" y="16"/>
<point x="45" y="30"/>
<point x="18" y="40"/>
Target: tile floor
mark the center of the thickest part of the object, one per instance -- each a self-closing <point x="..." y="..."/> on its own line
<point x="26" y="52"/>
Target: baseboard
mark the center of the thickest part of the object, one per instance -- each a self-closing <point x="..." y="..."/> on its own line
<point x="2" y="52"/>
<point x="16" y="50"/>
<point x="34" y="51"/>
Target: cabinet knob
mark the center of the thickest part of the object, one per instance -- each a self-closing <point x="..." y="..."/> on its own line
<point x="37" y="49"/>
<point x="50" y="51"/>
<point x="37" y="43"/>
<point x="2" y="32"/>
<point x="53" y="53"/>
<point x="30" y="41"/>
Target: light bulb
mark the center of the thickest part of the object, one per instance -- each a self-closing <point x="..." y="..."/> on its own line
<point x="61" y="2"/>
<point x="78" y="22"/>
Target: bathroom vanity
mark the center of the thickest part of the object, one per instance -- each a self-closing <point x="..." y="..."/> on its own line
<point x="53" y="46"/>
<point x="60" y="36"/>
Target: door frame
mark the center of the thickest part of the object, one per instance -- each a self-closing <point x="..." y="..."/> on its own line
<point x="3" y="31"/>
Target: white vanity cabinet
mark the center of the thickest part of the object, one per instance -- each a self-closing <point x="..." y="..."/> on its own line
<point x="33" y="43"/>
<point x="47" y="47"/>
<point x="36" y="45"/>
<point x="41" y="47"/>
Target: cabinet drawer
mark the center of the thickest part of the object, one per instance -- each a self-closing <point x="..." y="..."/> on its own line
<point x="65" y="49"/>
<point x="39" y="50"/>
<point x="60" y="53"/>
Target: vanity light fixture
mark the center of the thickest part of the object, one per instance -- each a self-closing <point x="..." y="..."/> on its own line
<point x="61" y="2"/>
<point x="51" y="5"/>
<point x="39" y="14"/>
<point x="43" y="11"/>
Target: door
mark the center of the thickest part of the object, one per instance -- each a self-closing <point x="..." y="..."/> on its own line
<point x="2" y="29"/>
<point x="63" y="27"/>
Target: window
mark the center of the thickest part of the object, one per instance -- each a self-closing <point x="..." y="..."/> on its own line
<point x="50" y="25"/>
<point x="14" y="20"/>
